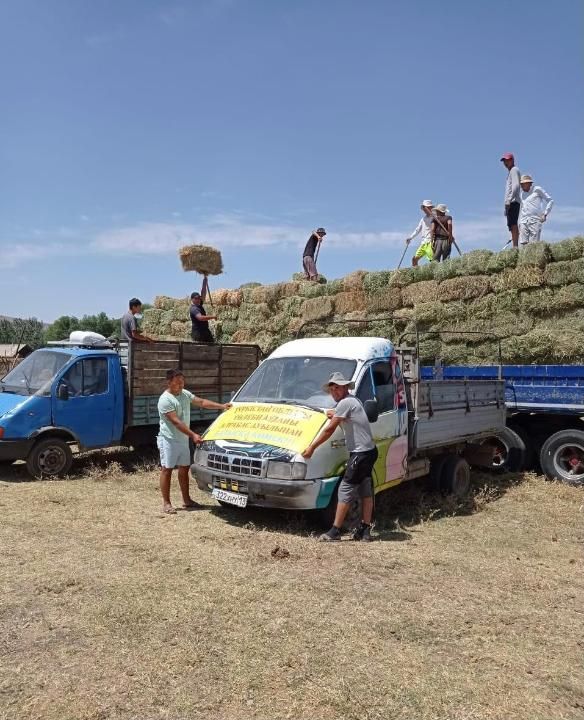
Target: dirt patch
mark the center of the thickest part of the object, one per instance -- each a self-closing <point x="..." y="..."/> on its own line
<point x="111" y="611"/>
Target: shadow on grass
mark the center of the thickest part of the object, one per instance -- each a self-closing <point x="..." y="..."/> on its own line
<point x="398" y="511"/>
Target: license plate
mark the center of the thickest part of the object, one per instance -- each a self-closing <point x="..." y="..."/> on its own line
<point x="230" y="497"/>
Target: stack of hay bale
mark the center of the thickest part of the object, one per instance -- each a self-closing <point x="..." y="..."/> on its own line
<point x="532" y="298"/>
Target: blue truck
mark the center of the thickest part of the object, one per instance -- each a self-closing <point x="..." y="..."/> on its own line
<point x="75" y="396"/>
<point x="545" y="408"/>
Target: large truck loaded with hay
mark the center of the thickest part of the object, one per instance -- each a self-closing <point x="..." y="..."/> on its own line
<point x="251" y="455"/>
<point x="84" y="394"/>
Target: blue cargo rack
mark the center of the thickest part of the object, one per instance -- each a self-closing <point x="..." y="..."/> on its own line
<point x="528" y="388"/>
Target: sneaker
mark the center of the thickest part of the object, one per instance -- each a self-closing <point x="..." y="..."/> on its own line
<point x="331" y="535"/>
<point x="362" y="533"/>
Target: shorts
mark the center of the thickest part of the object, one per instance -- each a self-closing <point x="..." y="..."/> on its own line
<point x="357" y="480"/>
<point x="529" y="231"/>
<point x="309" y="267"/>
<point x="512" y="213"/>
<point x="442" y="248"/>
<point x="425" y="250"/>
<point x="173" y="453"/>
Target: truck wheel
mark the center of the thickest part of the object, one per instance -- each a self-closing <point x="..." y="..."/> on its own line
<point x="562" y="457"/>
<point x="49" y="458"/>
<point x="436" y="467"/>
<point x="508" y="451"/>
<point x="455" y="477"/>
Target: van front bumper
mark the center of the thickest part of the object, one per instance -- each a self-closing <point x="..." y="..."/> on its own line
<point x="267" y="492"/>
<point x="15" y="449"/>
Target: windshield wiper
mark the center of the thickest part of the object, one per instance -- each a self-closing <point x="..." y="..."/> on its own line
<point x="300" y="403"/>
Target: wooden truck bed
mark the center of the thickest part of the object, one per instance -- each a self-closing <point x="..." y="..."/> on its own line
<point x="211" y="371"/>
<point x="449" y="412"/>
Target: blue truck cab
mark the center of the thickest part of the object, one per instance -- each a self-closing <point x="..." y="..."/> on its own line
<point x="60" y="396"/>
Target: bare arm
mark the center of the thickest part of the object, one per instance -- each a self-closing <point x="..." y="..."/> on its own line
<point x="204" y="318"/>
<point x="179" y="425"/>
<point x="324" y="435"/>
<point x="209" y="404"/>
<point x="137" y="336"/>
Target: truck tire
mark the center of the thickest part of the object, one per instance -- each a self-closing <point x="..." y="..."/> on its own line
<point x="508" y="451"/>
<point x="455" y="477"/>
<point x="562" y="457"/>
<point x="436" y="466"/>
<point x="51" y="457"/>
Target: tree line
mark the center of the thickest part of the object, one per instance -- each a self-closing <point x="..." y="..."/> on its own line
<point x="30" y="331"/>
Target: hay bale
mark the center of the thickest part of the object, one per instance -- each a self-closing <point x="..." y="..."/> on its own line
<point x="289" y="289"/>
<point x="292" y="306"/>
<point x="354" y="281"/>
<point x="537" y="254"/>
<point x="203" y="259"/>
<point x="180" y="330"/>
<point x="424" y="291"/>
<point x="425" y="271"/>
<point x="464" y="288"/>
<point x="388" y="300"/>
<point x="226" y="312"/>
<point x="253" y="315"/>
<point x="537" y="301"/>
<point x="428" y="312"/>
<point x="312" y="289"/>
<point x="218" y="297"/>
<point x="246" y="291"/>
<point x="294" y="325"/>
<point x="229" y="327"/>
<point x="403" y="277"/>
<point x="564" y="273"/>
<point x="476" y="262"/>
<point x="318" y="308"/>
<point x="507" y="301"/>
<point x="519" y="278"/>
<point x="569" y="297"/>
<point x="152" y="315"/>
<point x="268" y="294"/>
<point x="301" y="277"/>
<point x="347" y="302"/>
<point x="569" y="249"/>
<point x="448" y="269"/>
<point x="278" y="324"/>
<point x="455" y="353"/>
<point x="376" y="282"/>
<point x="163" y="302"/>
<point x="482" y="308"/>
<point x="234" y="298"/>
<point x="243" y="335"/>
<point x="334" y="287"/>
<point x="502" y="260"/>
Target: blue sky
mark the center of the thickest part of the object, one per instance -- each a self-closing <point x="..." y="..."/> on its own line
<point x="132" y="127"/>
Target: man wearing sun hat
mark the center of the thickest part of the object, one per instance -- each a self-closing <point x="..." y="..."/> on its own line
<point x="512" y="196"/>
<point x="357" y="478"/>
<point x="536" y="204"/>
<point x="424" y="227"/>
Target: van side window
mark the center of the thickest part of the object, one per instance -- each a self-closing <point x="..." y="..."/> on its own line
<point x="365" y="389"/>
<point x="87" y="377"/>
<point x="384" y="387"/>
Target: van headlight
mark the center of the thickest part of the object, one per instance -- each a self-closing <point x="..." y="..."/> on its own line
<point x="286" y="470"/>
<point x="200" y="456"/>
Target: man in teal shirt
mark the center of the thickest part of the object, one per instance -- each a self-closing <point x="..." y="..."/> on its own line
<point x="174" y="409"/>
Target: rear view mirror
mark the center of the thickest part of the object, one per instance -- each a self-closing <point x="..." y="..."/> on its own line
<point x="371" y="410"/>
<point x="63" y="392"/>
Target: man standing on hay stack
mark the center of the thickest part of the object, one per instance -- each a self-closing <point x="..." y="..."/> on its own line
<point x="533" y="212"/>
<point x="310" y="254"/>
<point x="441" y="229"/>
<point x="424" y="227"/>
<point x="512" y="197"/>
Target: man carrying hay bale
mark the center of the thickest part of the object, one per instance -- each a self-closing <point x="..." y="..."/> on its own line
<point x="441" y="229"/>
<point x="533" y="212"/>
<point x="425" y="227"/>
<point x="311" y="253"/>
<point x="512" y="196"/>
<point x="200" y="320"/>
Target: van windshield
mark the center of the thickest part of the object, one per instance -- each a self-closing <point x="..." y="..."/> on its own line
<point x="294" y="380"/>
<point x="35" y="374"/>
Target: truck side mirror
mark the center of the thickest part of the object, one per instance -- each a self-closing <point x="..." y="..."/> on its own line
<point x="63" y="391"/>
<point x="371" y="410"/>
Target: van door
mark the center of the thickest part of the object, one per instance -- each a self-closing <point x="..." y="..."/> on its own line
<point x="383" y="382"/>
<point x="89" y="411"/>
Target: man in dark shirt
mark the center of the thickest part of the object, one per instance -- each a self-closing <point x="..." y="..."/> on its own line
<point x="129" y="326"/>
<point x="441" y="230"/>
<point x="200" y="331"/>
<point x="308" y="257"/>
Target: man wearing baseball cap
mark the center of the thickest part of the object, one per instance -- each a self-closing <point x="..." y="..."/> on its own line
<point x="357" y="478"/>
<point x="512" y="197"/>
<point x="533" y="210"/>
<point x="424" y="227"/>
<point x="311" y="253"/>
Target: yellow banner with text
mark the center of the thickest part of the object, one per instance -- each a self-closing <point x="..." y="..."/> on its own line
<point x="285" y="426"/>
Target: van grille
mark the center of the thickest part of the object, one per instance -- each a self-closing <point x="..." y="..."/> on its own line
<point x="245" y="466"/>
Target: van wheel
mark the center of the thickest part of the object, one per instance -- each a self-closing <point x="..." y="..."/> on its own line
<point x="49" y="458"/>
<point x="455" y="477"/>
<point x="508" y="451"/>
<point x="562" y="457"/>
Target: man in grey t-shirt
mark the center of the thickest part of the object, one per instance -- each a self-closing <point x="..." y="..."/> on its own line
<point x="357" y="479"/>
<point x="129" y="326"/>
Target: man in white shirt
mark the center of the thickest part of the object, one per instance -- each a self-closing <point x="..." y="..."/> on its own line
<point x="424" y="227"/>
<point x="512" y="196"/>
<point x="536" y="204"/>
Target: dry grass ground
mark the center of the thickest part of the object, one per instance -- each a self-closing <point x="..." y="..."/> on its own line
<point x="111" y="611"/>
